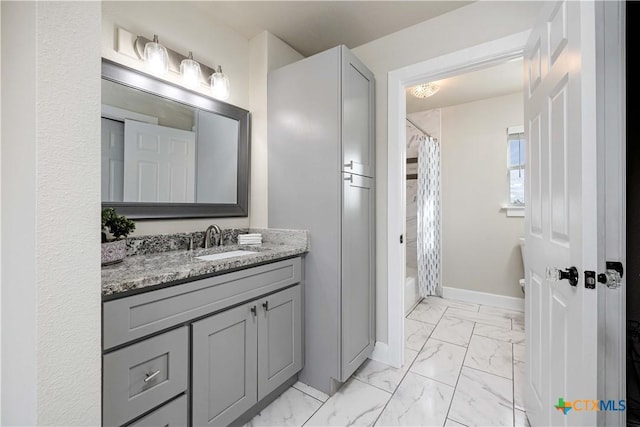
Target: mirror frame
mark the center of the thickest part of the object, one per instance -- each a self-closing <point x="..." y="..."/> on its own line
<point x="135" y="79"/>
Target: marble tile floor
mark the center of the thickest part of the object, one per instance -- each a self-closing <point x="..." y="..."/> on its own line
<point x="464" y="366"/>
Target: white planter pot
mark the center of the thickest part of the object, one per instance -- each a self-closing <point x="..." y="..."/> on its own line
<point x="114" y="252"/>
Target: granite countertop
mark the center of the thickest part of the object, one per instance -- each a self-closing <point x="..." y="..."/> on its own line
<point x="151" y="269"/>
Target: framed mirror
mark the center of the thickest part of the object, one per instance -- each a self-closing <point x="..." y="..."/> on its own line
<point x="169" y="152"/>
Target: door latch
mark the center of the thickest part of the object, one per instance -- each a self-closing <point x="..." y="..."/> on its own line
<point x="612" y="277"/>
<point x="401" y="238"/>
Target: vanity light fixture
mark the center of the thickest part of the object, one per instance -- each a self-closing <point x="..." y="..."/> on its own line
<point x="156" y="57"/>
<point x="160" y="60"/>
<point x="220" y="85"/>
<point x="425" y="90"/>
<point x="190" y="71"/>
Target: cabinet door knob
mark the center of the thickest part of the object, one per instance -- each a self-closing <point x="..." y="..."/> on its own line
<point x="254" y="311"/>
<point x="266" y="305"/>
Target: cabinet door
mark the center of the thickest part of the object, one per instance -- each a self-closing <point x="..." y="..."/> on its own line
<point x="224" y="354"/>
<point x="357" y="287"/>
<point x="357" y="116"/>
<point x="279" y="339"/>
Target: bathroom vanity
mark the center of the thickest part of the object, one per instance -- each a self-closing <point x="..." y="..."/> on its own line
<point x="188" y="341"/>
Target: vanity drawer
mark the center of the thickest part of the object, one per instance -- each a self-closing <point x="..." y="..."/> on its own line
<point x="141" y="376"/>
<point x="134" y="317"/>
<point x="173" y="414"/>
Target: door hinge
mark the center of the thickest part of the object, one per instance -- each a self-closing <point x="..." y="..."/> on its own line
<point x="401" y="238"/>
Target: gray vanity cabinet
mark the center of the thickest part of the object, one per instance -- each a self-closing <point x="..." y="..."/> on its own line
<point x="209" y="351"/>
<point x="241" y="355"/>
<point x="224" y="363"/>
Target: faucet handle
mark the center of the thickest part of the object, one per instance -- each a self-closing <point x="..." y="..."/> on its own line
<point x="191" y="242"/>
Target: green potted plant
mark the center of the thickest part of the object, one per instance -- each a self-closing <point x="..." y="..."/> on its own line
<point x="114" y="248"/>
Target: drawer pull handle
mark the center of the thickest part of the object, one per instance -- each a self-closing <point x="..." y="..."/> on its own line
<point x="151" y="376"/>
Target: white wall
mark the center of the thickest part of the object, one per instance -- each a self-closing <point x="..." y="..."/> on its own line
<point x="267" y="52"/>
<point x="51" y="296"/>
<point x="480" y="246"/>
<point x="19" y="303"/>
<point x="183" y="28"/>
<point x="468" y="26"/>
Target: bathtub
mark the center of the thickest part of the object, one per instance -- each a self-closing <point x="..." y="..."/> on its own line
<point x="411" y="294"/>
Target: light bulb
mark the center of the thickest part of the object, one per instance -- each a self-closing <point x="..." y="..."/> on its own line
<point x="190" y="71"/>
<point x="219" y="85"/>
<point x="156" y="57"/>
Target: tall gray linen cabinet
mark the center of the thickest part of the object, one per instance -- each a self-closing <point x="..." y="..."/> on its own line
<point x="321" y="179"/>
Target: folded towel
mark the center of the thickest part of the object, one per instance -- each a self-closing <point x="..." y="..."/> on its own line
<point x="248" y="242"/>
<point x="250" y="235"/>
<point x="242" y="238"/>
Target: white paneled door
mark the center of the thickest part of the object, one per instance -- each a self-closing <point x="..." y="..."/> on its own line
<point x="561" y="220"/>
<point x="112" y="160"/>
<point x="159" y="163"/>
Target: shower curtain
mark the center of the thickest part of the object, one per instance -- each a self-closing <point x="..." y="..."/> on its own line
<point x="429" y="217"/>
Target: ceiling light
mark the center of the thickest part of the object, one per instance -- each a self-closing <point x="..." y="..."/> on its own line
<point x="156" y="57"/>
<point x="425" y="90"/>
<point x="190" y="71"/>
<point x="220" y="85"/>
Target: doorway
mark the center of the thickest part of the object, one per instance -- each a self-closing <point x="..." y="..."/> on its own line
<point x="445" y="66"/>
<point x="464" y="61"/>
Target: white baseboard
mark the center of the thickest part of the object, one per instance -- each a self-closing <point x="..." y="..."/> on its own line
<point x="381" y="353"/>
<point x="510" y="303"/>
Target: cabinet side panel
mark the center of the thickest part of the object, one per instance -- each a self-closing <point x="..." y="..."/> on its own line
<point x="304" y="193"/>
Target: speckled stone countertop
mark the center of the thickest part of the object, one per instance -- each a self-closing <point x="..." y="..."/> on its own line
<point x="149" y="269"/>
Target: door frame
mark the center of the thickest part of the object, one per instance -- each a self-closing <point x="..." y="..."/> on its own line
<point x="611" y="120"/>
<point x="461" y="61"/>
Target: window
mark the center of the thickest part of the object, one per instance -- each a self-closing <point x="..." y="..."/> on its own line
<point x="516" y="164"/>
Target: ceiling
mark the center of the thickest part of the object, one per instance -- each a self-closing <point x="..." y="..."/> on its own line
<point x="314" y="26"/>
<point x="498" y="80"/>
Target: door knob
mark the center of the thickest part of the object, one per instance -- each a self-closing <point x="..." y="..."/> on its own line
<point x="570" y="274"/>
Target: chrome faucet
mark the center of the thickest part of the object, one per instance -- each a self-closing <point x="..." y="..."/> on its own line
<point x="217" y="234"/>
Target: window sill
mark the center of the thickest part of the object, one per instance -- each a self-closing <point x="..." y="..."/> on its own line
<point x="513" y="211"/>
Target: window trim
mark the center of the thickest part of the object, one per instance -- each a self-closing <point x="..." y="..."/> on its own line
<point x="513" y="210"/>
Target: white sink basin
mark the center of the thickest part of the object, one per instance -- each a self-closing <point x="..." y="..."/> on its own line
<point x="223" y="255"/>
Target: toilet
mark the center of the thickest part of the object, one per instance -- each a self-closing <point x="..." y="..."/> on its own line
<point x="524" y="264"/>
